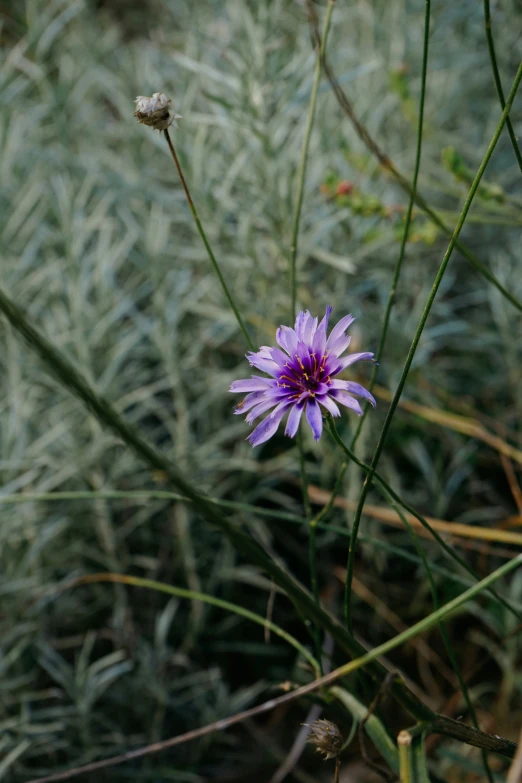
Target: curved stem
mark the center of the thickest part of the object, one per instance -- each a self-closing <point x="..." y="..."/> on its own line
<point x="442" y="628"/>
<point x="146" y="495"/>
<point x="304" y="157"/>
<point x="388" y="164"/>
<point x="435" y="722"/>
<point x="398" y="266"/>
<point x="67" y="374"/>
<point x="415" y="342"/>
<point x="293" y="289"/>
<point x="203" y="236"/>
<point x="384" y="487"/>
<point x="152" y="584"/>
<point x="498" y="83"/>
<point x="391" y="296"/>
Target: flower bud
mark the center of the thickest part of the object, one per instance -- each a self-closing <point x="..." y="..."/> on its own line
<point x="326" y="737"/>
<point x="156" y="111"/>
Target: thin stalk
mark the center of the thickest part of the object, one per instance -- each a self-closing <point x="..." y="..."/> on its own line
<point x="302" y="471"/>
<point x="415" y="342"/>
<point x="146" y="495"/>
<point x="442" y="628"/>
<point x="391" y="295"/>
<point x="372" y="725"/>
<point x="67" y="374"/>
<point x="312" y="553"/>
<point x="434" y="722"/>
<point x="498" y="82"/>
<point x="203" y="236"/>
<point x="301" y="177"/>
<point x="386" y="490"/>
<point x="398" y="266"/>
<point x="179" y="592"/>
<point x="388" y="164"/>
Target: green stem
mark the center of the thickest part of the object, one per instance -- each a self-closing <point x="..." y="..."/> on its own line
<point x="68" y="375"/>
<point x="498" y="83"/>
<point x="152" y="584"/>
<point x="388" y="164"/>
<point x="373" y="727"/>
<point x="293" y="284"/>
<point x="383" y="485"/>
<point x="203" y="236"/>
<point x="146" y="495"/>
<point x="302" y="472"/>
<point x="412" y="754"/>
<point x="443" y="632"/>
<point x="301" y="177"/>
<point x="415" y="342"/>
<point x="434" y="722"/>
<point x="398" y="266"/>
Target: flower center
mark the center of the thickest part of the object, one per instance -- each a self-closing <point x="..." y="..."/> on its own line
<point x="303" y="375"/>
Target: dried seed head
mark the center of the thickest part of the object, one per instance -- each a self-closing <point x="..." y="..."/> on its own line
<point x="156" y="112"/>
<point x="326" y="737"/>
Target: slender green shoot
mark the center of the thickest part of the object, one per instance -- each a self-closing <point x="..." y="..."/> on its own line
<point x="387" y="492"/>
<point x="301" y="177"/>
<point x="407" y="223"/>
<point x="431" y="722"/>
<point x="415" y="343"/>
<point x="203" y="236"/>
<point x="421" y="202"/>
<point x="191" y="595"/>
<point x="143" y="496"/>
<point x="442" y="628"/>
<point x="498" y="82"/>
<point x="396" y="274"/>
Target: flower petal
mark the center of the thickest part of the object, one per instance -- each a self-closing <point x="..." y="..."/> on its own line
<point x="287" y="339"/>
<point x="268" y="426"/>
<point x="294" y="418"/>
<point x="305" y="326"/>
<point x="329" y="404"/>
<point x="345" y="399"/>
<point x="264" y="364"/>
<point x="339" y="329"/>
<point x="279" y="357"/>
<point x="248" y="402"/>
<point x="354" y="388"/>
<point x="250" y="385"/>
<point x="340" y="345"/>
<point x="314" y="417"/>
<point x="262" y="407"/>
<point x="352" y="358"/>
<point x="319" y="341"/>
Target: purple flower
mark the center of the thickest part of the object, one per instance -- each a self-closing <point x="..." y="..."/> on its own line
<point x="303" y="378"/>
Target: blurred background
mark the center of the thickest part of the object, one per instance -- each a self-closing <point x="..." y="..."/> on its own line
<point x="99" y="247"/>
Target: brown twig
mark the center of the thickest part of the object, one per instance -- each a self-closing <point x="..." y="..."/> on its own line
<point x="388" y="515"/>
<point x="337" y="769"/>
<point x="387" y="774"/>
<point x="440" y="723"/>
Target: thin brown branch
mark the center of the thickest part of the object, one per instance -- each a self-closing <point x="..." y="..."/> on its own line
<point x="387" y="515"/>
<point x="441" y="724"/>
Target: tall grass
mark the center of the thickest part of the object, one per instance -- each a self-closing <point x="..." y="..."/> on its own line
<point x="100" y="250"/>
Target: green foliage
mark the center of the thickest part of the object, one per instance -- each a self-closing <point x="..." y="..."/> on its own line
<point x="100" y="249"/>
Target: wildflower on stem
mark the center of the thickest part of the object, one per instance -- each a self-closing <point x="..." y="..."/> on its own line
<point x="156" y="112"/>
<point x="326" y="737"/>
<point x="303" y="378"/>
